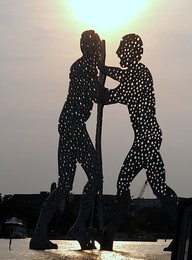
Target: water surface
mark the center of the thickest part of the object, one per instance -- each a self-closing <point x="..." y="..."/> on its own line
<point x="70" y="250"/>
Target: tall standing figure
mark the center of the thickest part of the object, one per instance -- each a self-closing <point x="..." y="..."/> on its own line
<point x="136" y="91"/>
<point x="75" y="145"/>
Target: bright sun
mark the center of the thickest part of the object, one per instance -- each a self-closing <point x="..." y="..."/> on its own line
<point x="106" y="15"/>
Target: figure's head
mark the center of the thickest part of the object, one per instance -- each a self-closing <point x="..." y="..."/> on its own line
<point x="90" y="44"/>
<point x="130" y="50"/>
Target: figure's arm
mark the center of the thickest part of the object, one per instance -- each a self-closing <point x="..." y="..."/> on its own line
<point x="105" y="96"/>
<point x="113" y="72"/>
<point x="111" y="96"/>
<point x="101" y="94"/>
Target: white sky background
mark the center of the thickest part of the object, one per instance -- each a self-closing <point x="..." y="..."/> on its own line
<point x="39" y="40"/>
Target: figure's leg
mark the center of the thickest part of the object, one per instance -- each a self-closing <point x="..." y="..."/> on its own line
<point x="131" y="167"/>
<point x="67" y="167"/>
<point x="40" y="241"/>
<point x="88" y="158"/>
<point x="156" y="178"/>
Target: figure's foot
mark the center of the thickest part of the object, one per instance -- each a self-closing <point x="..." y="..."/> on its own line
<point x="95" y="234"/>
<point x="107" y="243"/>
<point x="38" y="244"/>
<point x="82" y="237"/>
<point x="88" y="246"/>
<point x="107" y="246"/>
<point x="169" y="248"/>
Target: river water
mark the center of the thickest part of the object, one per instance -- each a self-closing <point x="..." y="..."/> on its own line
<point x="70" y="250"/>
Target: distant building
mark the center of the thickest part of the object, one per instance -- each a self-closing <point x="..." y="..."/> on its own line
<point x="147" y="203"/>
<point x="33" y="200"/>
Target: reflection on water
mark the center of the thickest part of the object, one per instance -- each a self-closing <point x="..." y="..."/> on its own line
<point x="70" y="250"/>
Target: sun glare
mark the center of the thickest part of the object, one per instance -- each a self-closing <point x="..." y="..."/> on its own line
<point x="106" y="15"/>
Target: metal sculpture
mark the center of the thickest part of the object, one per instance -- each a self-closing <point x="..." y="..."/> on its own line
<point x="75" y="145"/>
<point x="136" y="91"/>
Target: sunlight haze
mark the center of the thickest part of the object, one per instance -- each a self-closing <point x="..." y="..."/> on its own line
<point x="106" y="16"/>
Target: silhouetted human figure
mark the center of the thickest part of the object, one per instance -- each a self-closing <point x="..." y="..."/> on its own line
<point x="136" y="91"/>
<point x="75" y="145"/>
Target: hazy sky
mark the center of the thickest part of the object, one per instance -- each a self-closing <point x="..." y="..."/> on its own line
<point x="39" y="40"/>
